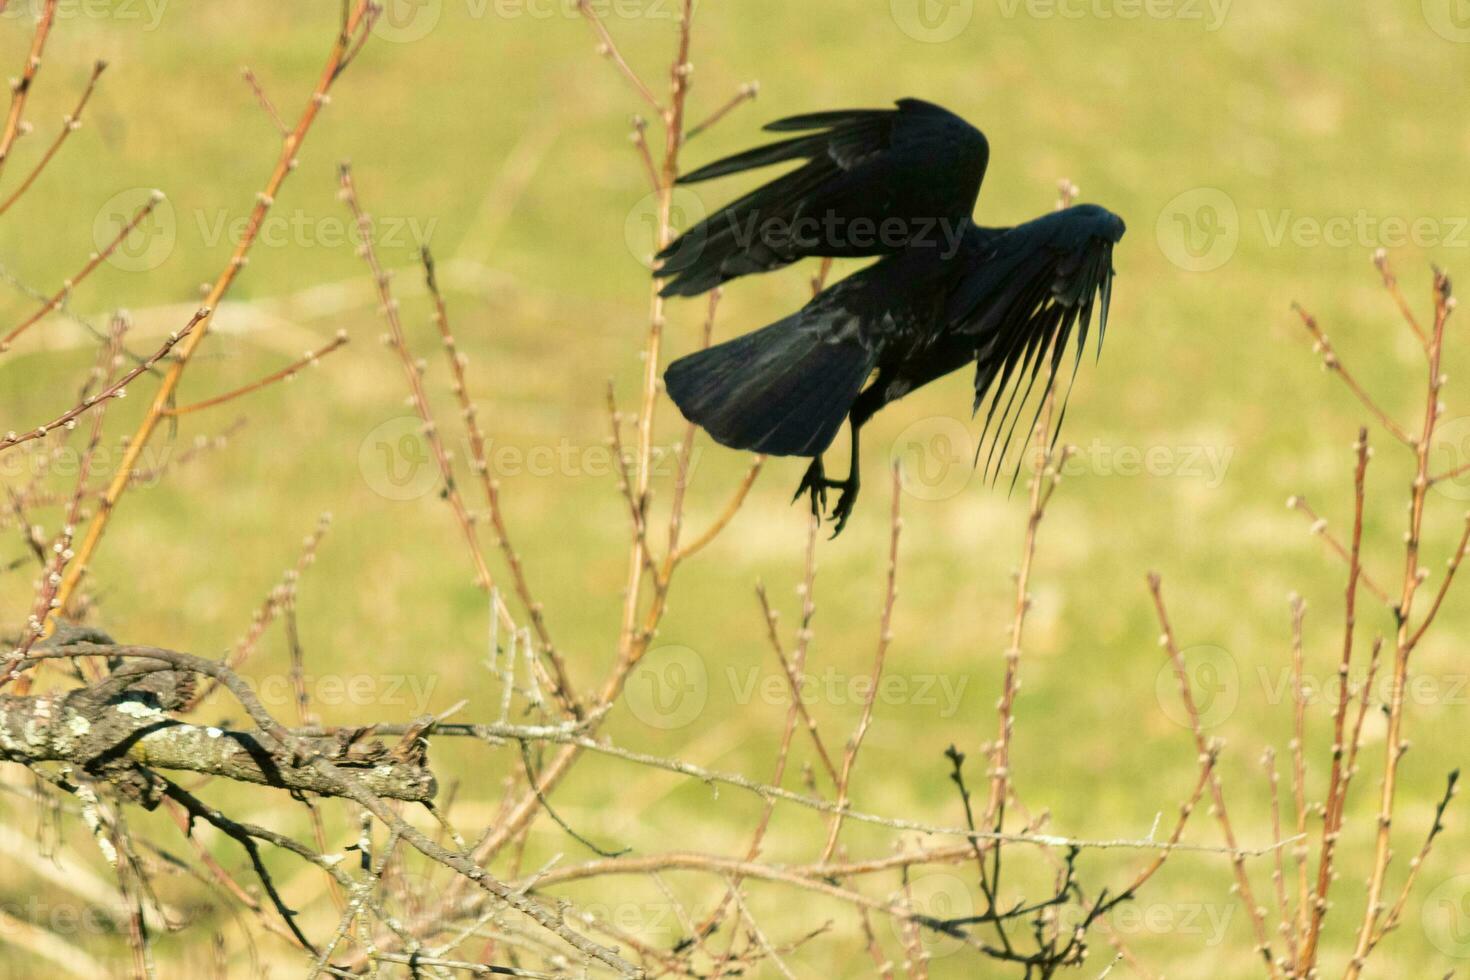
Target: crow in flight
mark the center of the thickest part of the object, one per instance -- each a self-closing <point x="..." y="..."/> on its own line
<point x="1008" y="299"/>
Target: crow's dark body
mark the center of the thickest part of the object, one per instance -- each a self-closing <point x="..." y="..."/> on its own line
<point x="1006" y="299"/>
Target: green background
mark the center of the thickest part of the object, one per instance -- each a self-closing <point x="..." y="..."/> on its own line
<point x="502" y="136"/>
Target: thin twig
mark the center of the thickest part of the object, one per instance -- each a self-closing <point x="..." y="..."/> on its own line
<point x="69" y="124"/>
<point x="1242" y="879"/>
<point x="287" y="373"/>
<point x="1332" y="363"/>
<point x="1336" y="795"/>
<point x="885" y="637"/>
<point x="564" y="690"/>
<point x="20" y="87"/>
<point x="96" y="259"/>
<point x="346" y="785"/>
<point x="1319" y="527"/>
<point x="117" y="389"/>
<point x="357" y="17"/>
<point x="608" y="48"/>
<point x="1405" y="637"/>
<point x="746" y="93"/>
<point x="265" y="102"/>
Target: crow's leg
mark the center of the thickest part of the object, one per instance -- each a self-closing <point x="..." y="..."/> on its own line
<point x="815" y="482"/>
<point x="849" y="488"/>
<point x="868" y="402"/>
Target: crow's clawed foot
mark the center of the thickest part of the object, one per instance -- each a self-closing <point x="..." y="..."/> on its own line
<point x="816" y="484"/>
<point x="845" y="503"/>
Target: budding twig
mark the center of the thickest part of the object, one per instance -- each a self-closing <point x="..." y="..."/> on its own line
<point x="608" y="48"/>
<point x="746" y="93"/>
<point x="1406" y="637"/>
<point x="1320" y="528"/>
<point x="69" y="124"/>
<point x="115" y="390"/>
<point x="885" y="636"/>
<point x="265" y="101"/>
<point x="21" y="87"/>
<point x="491" y="487"/>
<point x="1331" y="361"/>
<point x="1206" y="752"/>
<point x="287" y="373"/>
<point x="96" y="259"/>
<point x="357" y="18"/>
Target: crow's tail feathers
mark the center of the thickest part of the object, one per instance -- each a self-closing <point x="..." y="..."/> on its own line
<point x="783" y="390"/>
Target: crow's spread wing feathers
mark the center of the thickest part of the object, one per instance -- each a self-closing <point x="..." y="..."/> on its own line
<point x="849" y="138"/>
<point x="1027" y="291"/>
<point x="917" y="163"/>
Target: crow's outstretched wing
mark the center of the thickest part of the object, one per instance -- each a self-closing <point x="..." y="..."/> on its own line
<point x="1026" y="292"/>
<point x="917" y="167"/>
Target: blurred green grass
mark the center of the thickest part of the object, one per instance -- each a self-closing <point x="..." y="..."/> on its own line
<point x="505" y="134"/>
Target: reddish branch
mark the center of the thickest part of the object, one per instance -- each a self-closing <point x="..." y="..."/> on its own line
<point x="20" y="88"/>
<point x="117" y="389"/>
<point x="69" y="124"/>
<point x="1336" y="790"/>
<point x="885" y="637"/>
<point x="287" y="373"/>
<point x="357" y="20"/>
<point x="1207" y="752"/>
<point x="397" y="340"/>
<point x="1407" y="637"/>
<point x="96" y="259"/>
<point x="561" y="679"/>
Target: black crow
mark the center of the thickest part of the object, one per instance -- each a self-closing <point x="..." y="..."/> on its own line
<point x="1007" y="299"/>
<point x="874" y="181"/>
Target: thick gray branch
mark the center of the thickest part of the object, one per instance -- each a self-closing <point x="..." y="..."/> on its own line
<point x="122" y="723"/>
